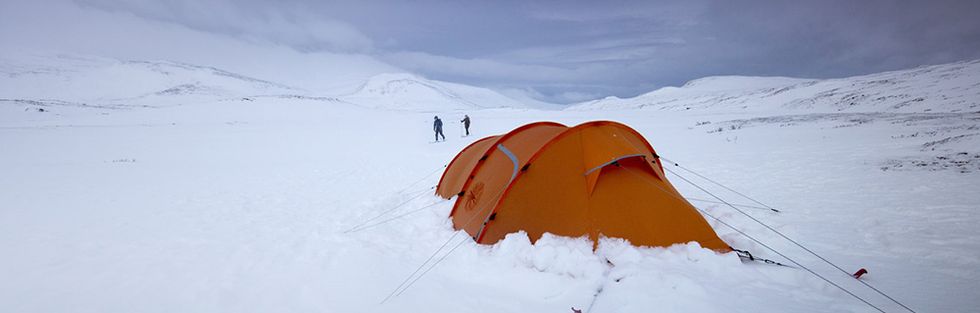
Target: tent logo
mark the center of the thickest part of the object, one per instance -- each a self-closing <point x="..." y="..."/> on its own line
<point x="473" y="196"/>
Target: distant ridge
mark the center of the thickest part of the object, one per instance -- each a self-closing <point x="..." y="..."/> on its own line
<point x="105" y="82"/>
<point x="953" y="87"/>
<point x="402" y="91"/>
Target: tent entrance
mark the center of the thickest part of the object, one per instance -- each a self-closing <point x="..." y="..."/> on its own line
<point x="631" y="160"/>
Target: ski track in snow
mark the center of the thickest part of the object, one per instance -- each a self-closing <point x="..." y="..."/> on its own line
<point x="237" y="204"/>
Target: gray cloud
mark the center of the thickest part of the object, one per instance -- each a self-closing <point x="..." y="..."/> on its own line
<point x="566" y="51"/>
<point x="288" y="24"/>
<point x="50" y="27"/>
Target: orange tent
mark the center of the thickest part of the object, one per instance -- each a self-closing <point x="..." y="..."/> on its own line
<point x="597" y="179"/>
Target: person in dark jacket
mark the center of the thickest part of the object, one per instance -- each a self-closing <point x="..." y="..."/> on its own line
<point x="437" y="127"/>
<point x="466" y="123"/>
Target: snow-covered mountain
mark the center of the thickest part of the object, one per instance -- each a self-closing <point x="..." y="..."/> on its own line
<point x="97" y="81"/>
<point x="66" y="79"/>
<point x="953" y="87"/>
<point x="401" y="91"/>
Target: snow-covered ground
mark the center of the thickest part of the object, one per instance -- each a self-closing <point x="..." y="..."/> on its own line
<point x="229" y="202"/>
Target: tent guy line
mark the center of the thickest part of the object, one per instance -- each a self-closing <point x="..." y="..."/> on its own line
<point x="434" y="264"/>
<point x="399" y="216"/>
<point x="736" y="204"/>
<point x="794" y="242"/>
<point x="420" y="193"/>
<point x="399" y="290"/>
<point x="719" y="184"/>
<point x="780" y="253"/>
<point x="657" y="160"/>
<point x="360" y="225"/>
<point x="657" y="156"/>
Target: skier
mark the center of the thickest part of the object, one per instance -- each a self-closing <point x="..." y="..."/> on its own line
<point x="437" y="127"/>
<point x="466" y="123"/>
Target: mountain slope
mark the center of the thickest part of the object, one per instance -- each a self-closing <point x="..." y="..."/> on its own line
<point x="953" y="87"/>
<point x="401" y="91"/>
<point x="64" y="79"/>
<point x="109" y="82"/>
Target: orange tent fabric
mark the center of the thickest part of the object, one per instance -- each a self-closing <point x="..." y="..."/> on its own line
<point x="596" y="179"/>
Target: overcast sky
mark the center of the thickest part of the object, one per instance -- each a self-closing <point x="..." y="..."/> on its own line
<point x="565" y="51"/>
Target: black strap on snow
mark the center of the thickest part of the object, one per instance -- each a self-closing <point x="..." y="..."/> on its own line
<point x="745" y="254"/>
